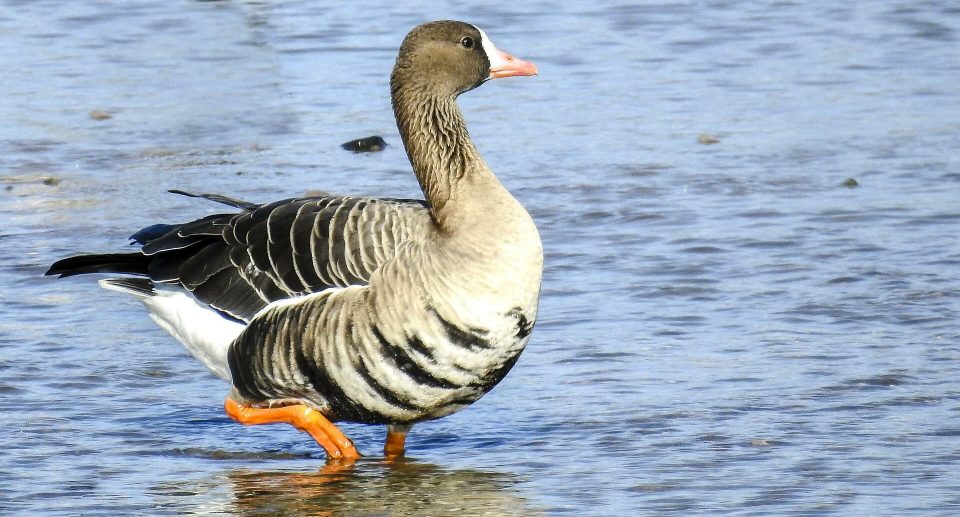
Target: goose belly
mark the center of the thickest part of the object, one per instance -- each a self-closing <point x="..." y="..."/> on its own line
<point x="356" y="360"/>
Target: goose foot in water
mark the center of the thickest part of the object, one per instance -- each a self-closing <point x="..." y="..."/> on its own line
<point x="304" y="418"/>
<point x="393" y="447"/>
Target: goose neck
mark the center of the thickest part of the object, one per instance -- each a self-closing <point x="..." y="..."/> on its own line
<point x="438" y="145"/>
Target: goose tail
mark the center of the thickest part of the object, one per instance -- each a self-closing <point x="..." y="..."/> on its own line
<point x="128" y="263"/>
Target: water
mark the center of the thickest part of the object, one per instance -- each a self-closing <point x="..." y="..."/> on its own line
<point x="725" y="328"/>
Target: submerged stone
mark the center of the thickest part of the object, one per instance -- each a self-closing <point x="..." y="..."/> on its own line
<point x="370" y="144"/>
<point x="707" y="139"/>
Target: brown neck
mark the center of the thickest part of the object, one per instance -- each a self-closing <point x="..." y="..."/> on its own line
<point x="438" y="146"/>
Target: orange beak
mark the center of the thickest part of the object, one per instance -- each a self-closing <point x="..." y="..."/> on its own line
<point x="505" y="65"/>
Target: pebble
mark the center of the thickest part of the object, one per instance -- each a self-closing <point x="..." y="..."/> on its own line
<point x="370" y="144"/>
<point x="707" y="139"/>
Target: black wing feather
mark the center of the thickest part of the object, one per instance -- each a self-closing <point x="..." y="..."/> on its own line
<point x="207" y="262"/>
<point x="301" y="230"/>
<point x="229" y="201"/>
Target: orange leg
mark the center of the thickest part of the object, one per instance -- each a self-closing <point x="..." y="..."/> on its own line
<point x="304" y="418"/>
<point x="393" y="447"/>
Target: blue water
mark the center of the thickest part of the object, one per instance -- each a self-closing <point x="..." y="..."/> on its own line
<point x="726" y="328"/>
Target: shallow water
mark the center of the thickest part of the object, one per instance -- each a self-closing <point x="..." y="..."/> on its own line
<point x="725" y="328"/>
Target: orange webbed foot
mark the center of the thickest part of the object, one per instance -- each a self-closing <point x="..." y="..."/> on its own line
<point x="334" y="442"/>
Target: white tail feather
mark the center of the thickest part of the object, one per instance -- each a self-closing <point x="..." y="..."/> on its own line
<point x="203" y="331"/>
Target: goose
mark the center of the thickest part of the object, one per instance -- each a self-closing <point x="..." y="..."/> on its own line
<point x="331" y="309"/>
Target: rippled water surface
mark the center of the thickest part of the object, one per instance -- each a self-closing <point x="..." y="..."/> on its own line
<point x="727" y="327"/>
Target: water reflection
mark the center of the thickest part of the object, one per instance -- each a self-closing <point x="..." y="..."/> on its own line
<point x="369" y="487"/>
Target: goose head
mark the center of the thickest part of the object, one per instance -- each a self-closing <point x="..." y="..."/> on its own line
<point x="450" y="57"/>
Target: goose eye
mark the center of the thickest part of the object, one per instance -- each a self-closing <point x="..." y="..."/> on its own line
<point x="467" y="42"/>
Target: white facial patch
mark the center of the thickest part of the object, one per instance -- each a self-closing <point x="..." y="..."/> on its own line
<point x="488" y="46"/>
<point x="492" y="52"/>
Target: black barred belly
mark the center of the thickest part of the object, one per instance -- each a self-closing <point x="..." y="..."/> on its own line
<point x="273" y="359"/>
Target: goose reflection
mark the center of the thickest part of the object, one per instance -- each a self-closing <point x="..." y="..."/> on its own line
<point x="403" y="487"/>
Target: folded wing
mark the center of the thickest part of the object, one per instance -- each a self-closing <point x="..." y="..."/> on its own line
<point x="239" y="262"/>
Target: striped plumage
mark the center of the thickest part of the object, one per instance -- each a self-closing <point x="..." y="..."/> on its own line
<point x="239" y="262"/>
<point x="358" y="309"/>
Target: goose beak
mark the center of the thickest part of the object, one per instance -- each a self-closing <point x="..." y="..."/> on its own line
<point x="505" y="65"/>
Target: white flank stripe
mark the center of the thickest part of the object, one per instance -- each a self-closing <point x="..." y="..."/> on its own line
<point x="295" y="300"/>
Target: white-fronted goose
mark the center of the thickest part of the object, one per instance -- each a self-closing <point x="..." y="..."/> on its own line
<point x="379" y="311"/>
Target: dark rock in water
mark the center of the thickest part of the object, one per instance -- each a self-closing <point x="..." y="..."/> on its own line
<point x="370" y="144"/>
<point x="850" y="182"/>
